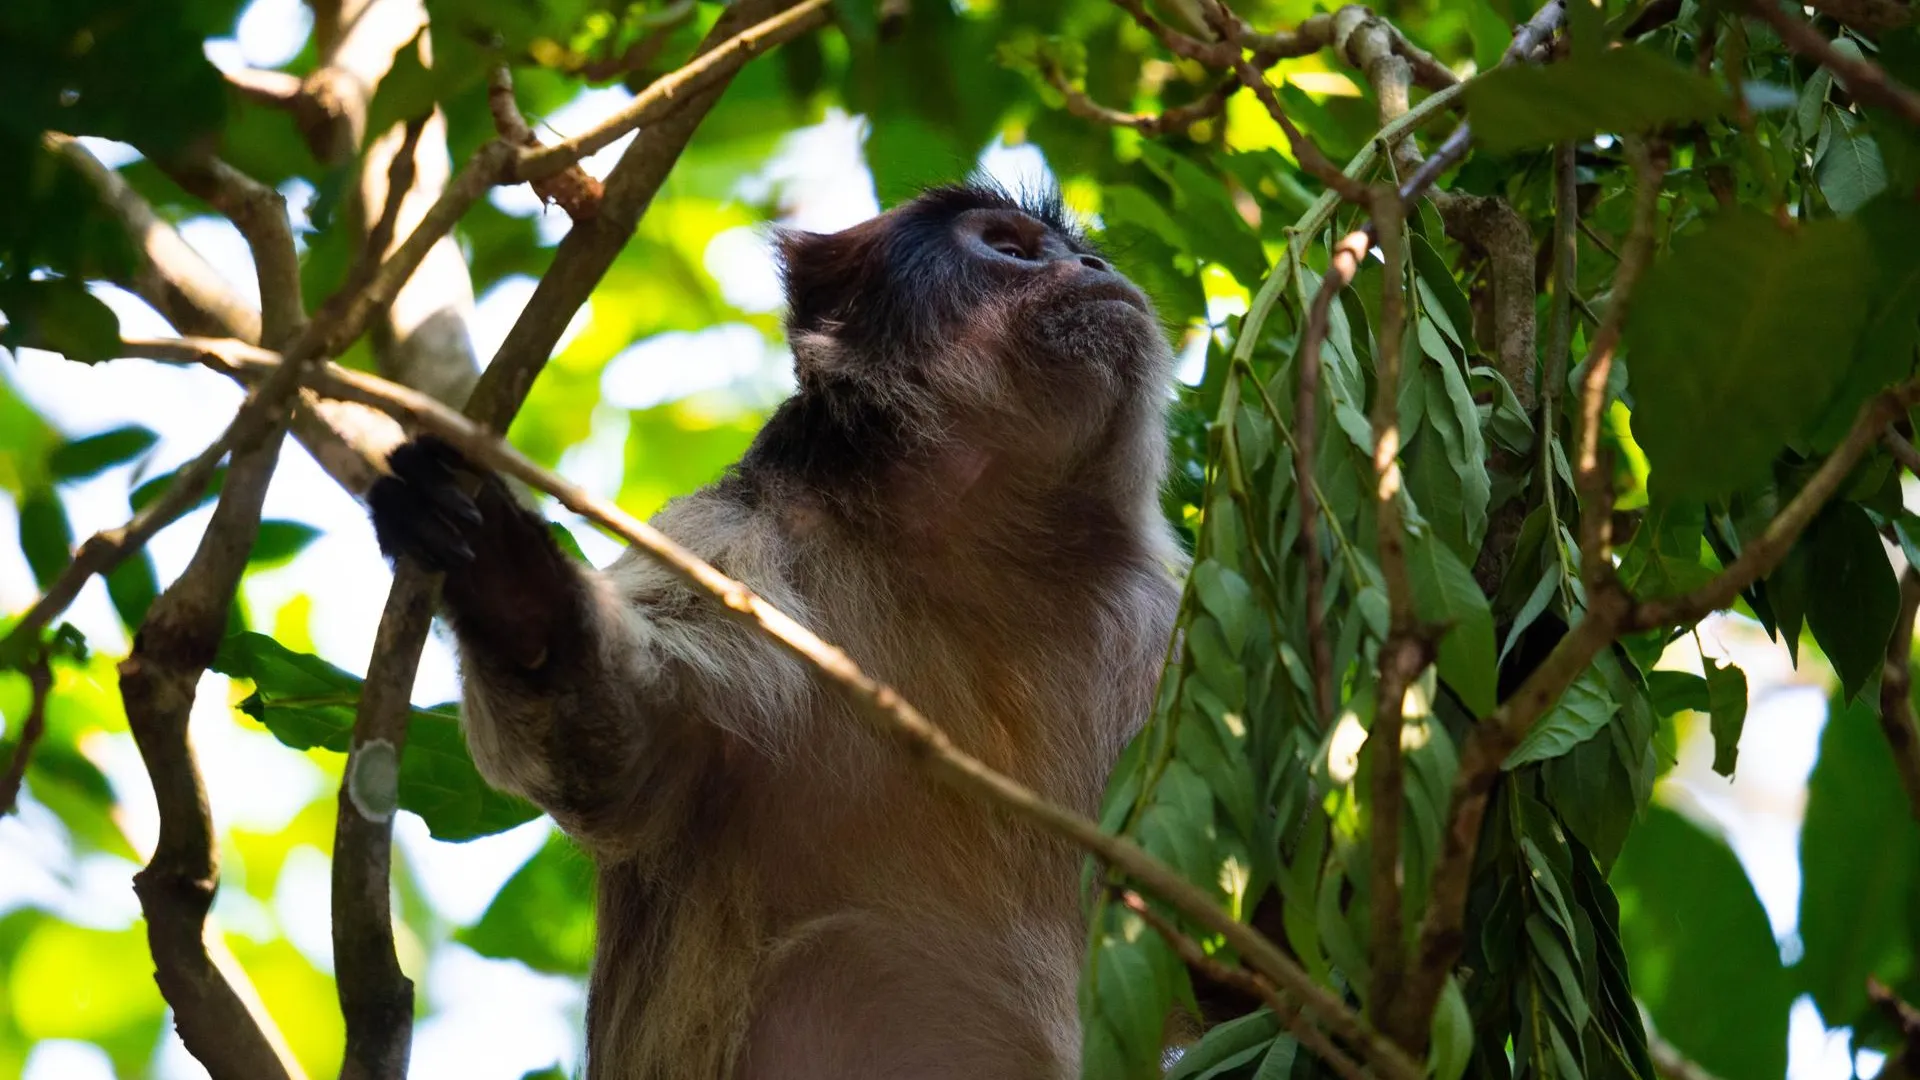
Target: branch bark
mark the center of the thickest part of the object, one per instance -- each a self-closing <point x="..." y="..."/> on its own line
<point x="171" y="650"/>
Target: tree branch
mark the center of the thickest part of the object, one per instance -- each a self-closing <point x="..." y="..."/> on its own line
<point x="260" y="213"/>
<point x="572" y="188"/>
<point x="171" y="650"/>
<point x="1864" y="79"/>
<point x="713" y="67"/>
<point x="1896" y="689"/>
<point x="1175" y="120"/>
<point x="39" y="672"/>
<point x="173" y="277"/>
<point x="1870" y="16"/>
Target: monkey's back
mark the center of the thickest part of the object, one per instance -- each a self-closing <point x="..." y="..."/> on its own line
<point x="816" y="908"/>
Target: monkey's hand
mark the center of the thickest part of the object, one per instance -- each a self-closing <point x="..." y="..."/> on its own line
<point x="510" y="592"/>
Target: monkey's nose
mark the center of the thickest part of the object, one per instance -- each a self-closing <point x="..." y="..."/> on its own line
<point x="1094" y="262"/>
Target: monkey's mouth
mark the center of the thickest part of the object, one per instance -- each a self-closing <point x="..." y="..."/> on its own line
<point x="1114" y="290"/>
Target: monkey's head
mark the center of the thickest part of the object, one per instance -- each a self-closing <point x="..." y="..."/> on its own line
<point x="970" y="310"/>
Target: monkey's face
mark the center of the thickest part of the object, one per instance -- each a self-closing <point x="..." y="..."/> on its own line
<point x="970" y="304"/>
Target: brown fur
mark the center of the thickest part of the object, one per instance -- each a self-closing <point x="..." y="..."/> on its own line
<point x="964" y="497"/>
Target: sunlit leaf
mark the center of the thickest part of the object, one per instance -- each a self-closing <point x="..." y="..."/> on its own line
<point x="1617" y="91"/>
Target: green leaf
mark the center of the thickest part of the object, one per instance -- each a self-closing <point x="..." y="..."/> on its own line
<point x="1617" y="91"/>
<point x="1444" y="592"/>
<point x="133" y="586"/>
<point x="1578" y="716"/>
<point x="80" y="458"/>
<point x="1450" y="1043"/>
<point x="543" y="915"/>
<point x="1718" y="342"/>
<point x="1853" y="599"/>
<point x="1676" y="691"/>
<point x="306" y="702"/>
<point x="147" y="492"/>
<point x="59" y="315"/>
<point x="1860" y="868"/>
<point x="1453" y="414"/>
<point x="1727" y="711"/>
<point x="1850" y="173"/>
<point x="1224" y="1044"/>
<point x="1130" y="997"/>
<point x="46" y="537"/>
<point x="279" y="541"/>
<point x="1701" y="950"/>
<point x="1228" y="598"/>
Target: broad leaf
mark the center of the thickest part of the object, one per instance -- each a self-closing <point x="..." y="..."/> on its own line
<point x="1854" y="599"/>
<point x="1736" y="343"/>
<point x="1445" y="594"/>
<point x="1617" y="91"/>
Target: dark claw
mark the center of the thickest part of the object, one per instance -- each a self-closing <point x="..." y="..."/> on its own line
<point x="421" y="511"/>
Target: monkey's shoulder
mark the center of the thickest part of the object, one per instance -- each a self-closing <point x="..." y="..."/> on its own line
<point x="746" y="539"/>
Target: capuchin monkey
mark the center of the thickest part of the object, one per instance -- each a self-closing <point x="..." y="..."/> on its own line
<point x="964" y="495"/>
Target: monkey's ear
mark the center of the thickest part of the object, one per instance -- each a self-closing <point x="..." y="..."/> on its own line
<point x="826" y="278"/>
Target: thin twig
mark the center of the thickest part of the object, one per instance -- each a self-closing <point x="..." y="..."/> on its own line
<point x="1905" y="1019"/>
<point x="39" y="674"/>
<point x="1903" y="451"/>
<point x="667" y="93"/>
<point x="1248" y="983"/>
<point x="1870" y="16"/>
<point x="1591" y="475"/>
<point x="1863" y="78"/>
<point x="1169" y="121"/>
<point x="880" y="705"/>
<point x="1896" y="689"/>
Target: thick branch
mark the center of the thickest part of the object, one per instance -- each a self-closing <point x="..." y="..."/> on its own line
<point x="1896" y="689"/>
<point x="1863" y="78"/>
<point x="666" y="94"/>
<point x="260" y="213"/>
<point x="173" y="277"/>
<point x="171" y="651"/>
<point x="1871" y="16"/>
<point x="39" y="683"/>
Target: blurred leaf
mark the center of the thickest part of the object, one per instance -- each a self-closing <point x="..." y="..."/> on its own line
<point x="1717" y="342"/>
<point x="1674" y="691"/>
<point x="59" y="315"/>
<point x="78" y="459"/>
<point x="1859" y="866"/>
<point x="1616" y="91"/>
<point x="543" y="916"/>
<point x="45" y="536"/>
<point x="152" y="489"/>
<point x="306" y="702"/>
<point x="1701" y="949"/>
<point x="1850" y="172"/>
<point x="133" y="586"/>
<point x="279" y="541"/>
<point x="72" y="982"/>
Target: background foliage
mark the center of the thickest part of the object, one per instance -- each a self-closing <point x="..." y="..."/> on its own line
<point x="1783" y="294"/>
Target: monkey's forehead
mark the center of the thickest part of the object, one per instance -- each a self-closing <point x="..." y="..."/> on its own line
<point x="1043" y="204"/>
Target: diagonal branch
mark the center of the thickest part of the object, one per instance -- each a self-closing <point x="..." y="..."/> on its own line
<point x="878" y="704"/>
<point x="572" y="188"/>
<point x="1173" y="120"/>
<point x="260" y="213"/>
<point x="713" y="67"/>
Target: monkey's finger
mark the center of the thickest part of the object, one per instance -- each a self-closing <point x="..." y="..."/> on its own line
<point x="455" y="505"/>
<point x="422" y="464"/>
<point x="436" y="543"/>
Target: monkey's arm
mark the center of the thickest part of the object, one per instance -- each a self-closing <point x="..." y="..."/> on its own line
<point x="605" y="698"/>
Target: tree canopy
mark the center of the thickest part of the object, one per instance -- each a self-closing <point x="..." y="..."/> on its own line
<point x="1515" y="342"/>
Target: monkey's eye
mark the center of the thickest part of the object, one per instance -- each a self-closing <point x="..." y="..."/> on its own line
<point x="1006" y="242"/>
<point x="1011" y="250"/>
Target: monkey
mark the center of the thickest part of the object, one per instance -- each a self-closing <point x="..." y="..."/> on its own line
<point x="963" y="493"/>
